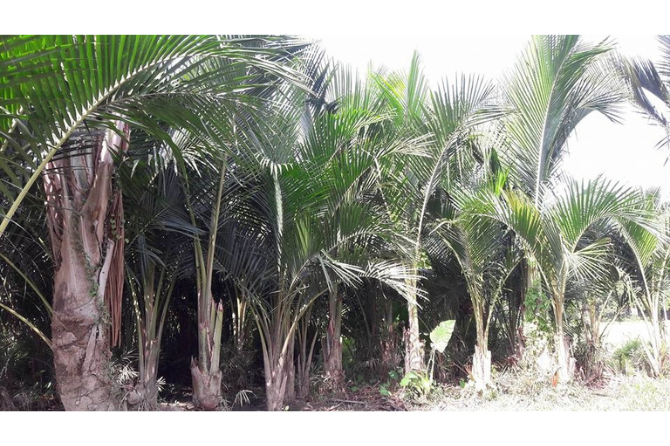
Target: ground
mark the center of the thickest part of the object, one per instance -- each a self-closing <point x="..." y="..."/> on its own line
<point x="514" y="390"/>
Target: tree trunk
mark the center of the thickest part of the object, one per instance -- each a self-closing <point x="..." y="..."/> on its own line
<point x="305" y="355"/>
<point x="390" y="356"/>
<point x="205" y="371"/>
<point x="88" y="256"/>
<point x="332" y="353"/>
<point x="481" y="361"/>
<point x="275" y="390"/>
<point x="566" y="363"/>
<point x="481" y="368"/>
<point x="145" y="394"/>
<point x="276" y="378"/>
<point x="206" y="387"/>
<point x="413" y="345"/>
<point x="290" y="373"/>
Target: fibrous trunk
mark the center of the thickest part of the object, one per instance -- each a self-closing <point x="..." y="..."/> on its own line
<point x="88" y="256"/>
<point x="413" y="345"/>
<point x="277" y="371"/>
<point x="332" y="352"/>
<point x="390" y="356"/>
<point x="206" y="387"/>
<point x="566" y="363"/>
<point x="481" y="368"/>
<point x="205" y="371"/>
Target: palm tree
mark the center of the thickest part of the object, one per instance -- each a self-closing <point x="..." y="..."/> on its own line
<point x="316" y="225"/>
<point x="67" y="104"/>
<point x="485" y="252"/>
<point x="649" y="281"/>
<point x="555" y="84"/>
<point x="158" y="229"/>
<point x="441" y="120"/>
<point x="554" y="237"/>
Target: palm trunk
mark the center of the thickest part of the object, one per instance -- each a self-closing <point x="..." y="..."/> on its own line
<point x="305" y="356"/>
<point x="566" y="363"/>
<point x="88" y="257"/>
<point x="414" y="360"/>
<point x="205" y="371"/>
<point x="481" y="367"/>
<point x="332" y="353"/>
<point x="481" y="361"/>
<point x="275" y="389"/>
<point x="145" y="394"/>
<point x="276" y="376"/>
<point x="390" y="356"/>
<point x="150" y="323"/>
<point x="206" y="386"/>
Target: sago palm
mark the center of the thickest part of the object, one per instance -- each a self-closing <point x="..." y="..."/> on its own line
<point x="67" y="104"/>
<point x="554" y="238"/>
<point x="441" y="120"/>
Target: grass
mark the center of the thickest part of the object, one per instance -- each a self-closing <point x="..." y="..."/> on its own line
<point x="621" y="394"/>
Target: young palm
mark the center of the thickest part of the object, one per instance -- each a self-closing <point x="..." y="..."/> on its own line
<point x="485" y="251"/>
<point x="441" y="120"/>
<point x="554" y="238"/>
<point x="556" y="83"/>
<point x="649" y="281"/>
<point x="318" y="228"/>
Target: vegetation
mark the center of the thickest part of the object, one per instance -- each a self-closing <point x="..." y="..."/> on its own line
<point x="239" y="220"/>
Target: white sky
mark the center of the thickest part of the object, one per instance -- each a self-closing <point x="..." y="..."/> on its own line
<point x="387" y="32"/>
<point x="624" y="152"/>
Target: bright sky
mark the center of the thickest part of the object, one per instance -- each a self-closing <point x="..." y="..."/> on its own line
<point x="623" y="152"/>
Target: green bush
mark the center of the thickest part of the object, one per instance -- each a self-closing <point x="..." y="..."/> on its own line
<point x="629" y="358"/>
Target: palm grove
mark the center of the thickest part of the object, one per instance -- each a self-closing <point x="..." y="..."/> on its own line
<point x="230" y="209"/>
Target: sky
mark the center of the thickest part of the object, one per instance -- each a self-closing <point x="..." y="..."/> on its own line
<point x="626" y="151"/>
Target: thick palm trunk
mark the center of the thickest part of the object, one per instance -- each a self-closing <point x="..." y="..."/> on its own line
<point x="332" y="352"/>
<point x="205" y="371"/>
<point x="414" y="360"/>
<point x="566" y="363"/>
<point x="80" y="338"/>
<point x="145" y="394"/>
<point x="481" y="361"/>
<point x="277" y="370"/>
<point x="389" y="342"/>
<point x="305" y="355"/>
<point x="88" y="257"/>
<point x="481" y="368"/>
<point x="206" y="386"/>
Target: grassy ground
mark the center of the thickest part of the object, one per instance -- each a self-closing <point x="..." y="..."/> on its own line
<point x="516" y="390"/>
<point x="620" y="394"/>
<point x="512" y="393"/>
